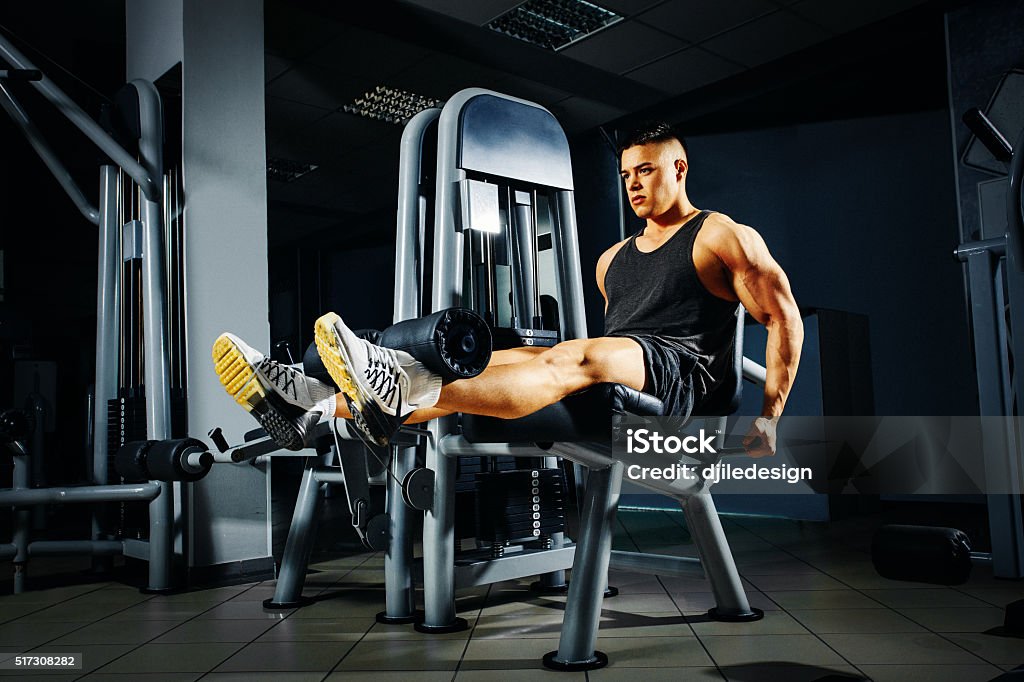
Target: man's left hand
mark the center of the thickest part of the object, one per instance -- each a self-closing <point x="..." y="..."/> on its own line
<point x="760" y="439"/>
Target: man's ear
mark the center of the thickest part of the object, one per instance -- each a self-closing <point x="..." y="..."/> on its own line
<point x="681" y="166"/>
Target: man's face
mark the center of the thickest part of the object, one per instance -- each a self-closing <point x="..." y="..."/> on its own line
<point x="653" y="174"/>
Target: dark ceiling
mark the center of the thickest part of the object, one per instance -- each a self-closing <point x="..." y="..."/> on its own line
<point x="719" y="66"/>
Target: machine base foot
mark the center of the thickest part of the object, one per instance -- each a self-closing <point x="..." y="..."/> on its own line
<point x="755" y="614"/>
<point x="457" y="625"/>
<point x="385" y="619"/>
<point x="159" y="590"/>
<point x="271" y="605"/>
<point x="598" y="660"/>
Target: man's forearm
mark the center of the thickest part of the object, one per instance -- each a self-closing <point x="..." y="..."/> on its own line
<point x="782" y="357"/>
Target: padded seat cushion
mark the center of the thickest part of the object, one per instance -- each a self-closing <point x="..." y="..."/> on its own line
<point x="584" y="417"/>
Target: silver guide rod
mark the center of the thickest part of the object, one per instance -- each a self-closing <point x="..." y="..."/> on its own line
<point x="83" y="121"/>
<point x="754" y="372"/>
<point x="46" y="153"/>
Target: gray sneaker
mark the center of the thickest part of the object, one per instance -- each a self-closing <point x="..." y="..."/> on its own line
<point x="281" y="398"/>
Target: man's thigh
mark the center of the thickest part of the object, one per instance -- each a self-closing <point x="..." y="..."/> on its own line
<point x="611" y="359"/>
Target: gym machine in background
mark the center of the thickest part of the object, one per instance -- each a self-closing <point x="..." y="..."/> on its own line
<point x="995" y="283"/>
<point x="136" y="211"/>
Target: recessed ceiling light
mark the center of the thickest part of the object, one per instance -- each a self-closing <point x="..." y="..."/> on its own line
<point x="391" y="105"/>
<point x="284" y="170"/>
<point x="554" y="24"/>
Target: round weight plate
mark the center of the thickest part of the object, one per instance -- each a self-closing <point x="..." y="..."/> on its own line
<point x="418" y="489"/>
<point x="378" y="532"/>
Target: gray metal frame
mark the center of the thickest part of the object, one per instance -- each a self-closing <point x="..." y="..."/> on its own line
<point x="146" y="173"/>
<point x="591" y="558"/>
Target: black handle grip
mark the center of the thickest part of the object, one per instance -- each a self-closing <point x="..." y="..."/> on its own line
<point x="988" y="134"/>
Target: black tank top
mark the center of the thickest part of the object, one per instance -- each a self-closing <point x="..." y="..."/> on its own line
<point x="658" y="294"/>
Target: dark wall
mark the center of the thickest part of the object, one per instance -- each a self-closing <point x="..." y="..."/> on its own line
<point x="595" y="174"/>
<point x="861" y="214"/>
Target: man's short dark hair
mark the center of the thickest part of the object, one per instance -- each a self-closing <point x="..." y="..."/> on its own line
<point x="652" y="131"/>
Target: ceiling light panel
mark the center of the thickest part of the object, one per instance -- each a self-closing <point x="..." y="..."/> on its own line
<point x="554" y="24"/>
<point x="391" y="105"/>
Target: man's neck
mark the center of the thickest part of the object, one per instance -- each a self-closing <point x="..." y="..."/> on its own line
<point x="675" y="217"/>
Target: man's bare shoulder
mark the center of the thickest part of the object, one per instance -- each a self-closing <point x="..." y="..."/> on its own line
<point x="722" y="233"/>
<point x="606" y="257"/>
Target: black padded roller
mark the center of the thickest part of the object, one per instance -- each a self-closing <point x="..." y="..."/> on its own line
<point x="455" y="343"/>
<point x="922" y="553"/>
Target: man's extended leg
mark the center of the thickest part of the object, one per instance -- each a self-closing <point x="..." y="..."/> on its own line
<point x="382" y="386"/>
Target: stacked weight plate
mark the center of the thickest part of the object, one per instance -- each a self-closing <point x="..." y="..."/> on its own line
<point x="519" y="505"/>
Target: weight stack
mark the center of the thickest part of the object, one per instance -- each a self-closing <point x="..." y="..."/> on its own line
<point x="466" y="486"/>
<point x="520" y="505"/>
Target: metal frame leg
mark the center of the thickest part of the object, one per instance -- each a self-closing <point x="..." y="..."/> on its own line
<point x="716" y="558"/>
<point x="589" y="575"/>
<point x="400" y="601"/>
<point x="298" y="547"/>
<point x="439" y="545"/>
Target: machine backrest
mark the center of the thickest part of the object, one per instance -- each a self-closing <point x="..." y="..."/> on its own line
<point x="725" y="399"/>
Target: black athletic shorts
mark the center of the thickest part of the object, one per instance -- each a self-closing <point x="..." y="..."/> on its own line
<point x="670" y="373"/>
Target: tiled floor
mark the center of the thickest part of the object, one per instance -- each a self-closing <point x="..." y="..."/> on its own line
<point x="827" y="613"/>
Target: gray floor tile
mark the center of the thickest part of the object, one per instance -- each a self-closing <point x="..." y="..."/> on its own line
<point x="387" y="676"/>
<point x="823" y="599"/>
<point x="992" y="648"/>
<point x="506" y="654"/>
<point x="867" y="621"/>
<point x="799" y="581"/>
<point x="957" y="619"/>
<point x="996" y="596"/>
<point x="622" y="674"/>
<point x="639" y="603"/>
<point x="277" y="676"/>
<point x="544" y="625"/>
<point x="144" y="677"/>
<point x="347" y="603"/>
<point x="318" y="630"/>
<point x="116" y="632"/>
<point x="286" y="656"/>
<point x="404" y="655"/>
<point x="31" y="634"/>
<point x="923" y="598"/>
<point x="930" y="673"/>
<point x="692" y="603"/>
<point x="668" y="624"/>
<point x="791" y="650"/>
<point x="654" y="652"/>
<point x="773" y="623"/>
<point x="515" y="676"/>
<point x="155" y="658"/>
<point x="57" y="613"/>
<point x="233" y="630"/>
<point x="908" y="648"/>
<point x="159" y="609"/>
<point x="789" y="673"/>
<point x="381" y="632"/>
<point x="242" y="610"/>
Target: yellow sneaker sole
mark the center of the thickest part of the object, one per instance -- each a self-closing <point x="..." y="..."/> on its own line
<point x="236" y="374"/>
<point x="332" y="355"/>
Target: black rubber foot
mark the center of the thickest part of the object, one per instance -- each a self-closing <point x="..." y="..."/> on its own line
<point x="599" y="660"/>
<point x="611" y="592"/>
<point x="271" y="605"/>
<point x="539" y="588"/>
<point x="756" y="614"/>
<point x="385" y="619"/>
<point x="458" y="625"/>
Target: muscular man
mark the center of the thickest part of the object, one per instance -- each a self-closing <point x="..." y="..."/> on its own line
<point x="671" y="299"/>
